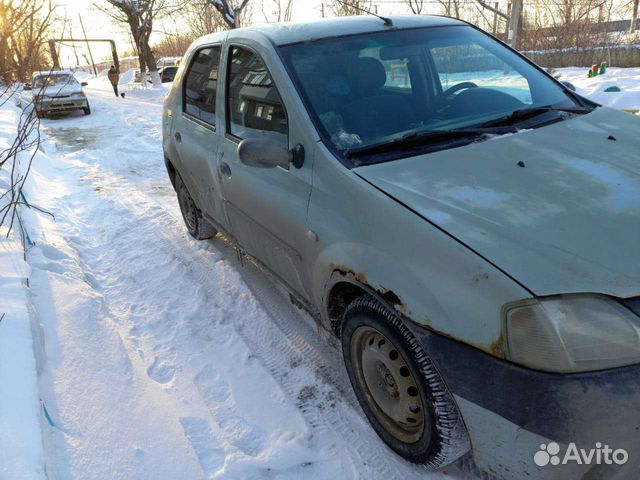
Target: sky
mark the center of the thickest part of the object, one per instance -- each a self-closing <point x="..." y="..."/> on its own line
<point x="97" y="26"/>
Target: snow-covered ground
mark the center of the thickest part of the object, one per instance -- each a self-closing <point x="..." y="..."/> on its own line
<point x="627" y="79"/>
<point x="160" y="357"/>
<point x="21" y="454"/>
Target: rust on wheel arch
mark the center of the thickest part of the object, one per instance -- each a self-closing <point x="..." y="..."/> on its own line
<point x="496" y="349"/>
<point x="360" y="279"/>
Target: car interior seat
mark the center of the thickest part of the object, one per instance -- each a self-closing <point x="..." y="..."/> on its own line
<point x="374" y="112"/>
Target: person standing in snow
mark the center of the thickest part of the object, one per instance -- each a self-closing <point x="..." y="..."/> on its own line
<point x="114" y="78"/>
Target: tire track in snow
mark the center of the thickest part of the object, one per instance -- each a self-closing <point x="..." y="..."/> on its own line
<point x="288" y="343"/>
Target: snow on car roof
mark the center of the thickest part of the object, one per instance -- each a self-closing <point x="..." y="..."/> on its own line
<point x="295" y="32"/>
<point x="52" y="73"/>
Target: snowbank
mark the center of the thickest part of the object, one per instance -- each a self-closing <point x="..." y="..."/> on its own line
<point x="131" y="89"/>
<point x="21" y="451"/>
<point x="627" y="79"/>
<point x="82" y="76"/>
<point x="128" y="76"/>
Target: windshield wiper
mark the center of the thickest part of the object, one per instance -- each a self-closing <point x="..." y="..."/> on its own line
<point x="422" y="137"/>
<point x="530" y="112"/>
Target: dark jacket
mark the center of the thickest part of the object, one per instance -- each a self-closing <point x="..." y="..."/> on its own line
<point x="114" y="76"/>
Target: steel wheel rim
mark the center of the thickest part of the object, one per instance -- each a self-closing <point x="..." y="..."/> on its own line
<point x="188" y="208"/>
<point x="390" y="388"/>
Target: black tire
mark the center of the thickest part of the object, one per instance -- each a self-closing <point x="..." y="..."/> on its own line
<point x="443" y="437"/>
<point x="87" y="110"/>
<point x="197" y="226"/>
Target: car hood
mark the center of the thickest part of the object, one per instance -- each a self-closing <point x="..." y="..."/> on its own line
<point x="566" y="220"/>
<point x="59" y="91"/>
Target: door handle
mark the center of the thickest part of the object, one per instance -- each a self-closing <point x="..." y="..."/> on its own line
<point x="178" y="137"/>
<point x="225" y="169"/>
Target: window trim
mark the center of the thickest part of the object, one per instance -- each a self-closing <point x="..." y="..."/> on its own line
<point x="227" y="97"/>
<point x="186" y="114"/>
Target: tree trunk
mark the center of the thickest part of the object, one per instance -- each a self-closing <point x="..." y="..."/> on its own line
<point x="153" y="68"/>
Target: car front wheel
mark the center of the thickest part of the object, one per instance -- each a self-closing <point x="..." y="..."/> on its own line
<point x="196" y="224"/>
<point x="399" y="388"/>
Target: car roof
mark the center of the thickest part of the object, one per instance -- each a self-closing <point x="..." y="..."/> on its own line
<point x="52" y="73"/>
<point x="296" y="32"/>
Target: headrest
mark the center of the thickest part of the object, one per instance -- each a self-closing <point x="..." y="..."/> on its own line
<point x="369" y="75"/>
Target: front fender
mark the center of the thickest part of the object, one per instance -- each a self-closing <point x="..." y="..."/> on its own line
<point x="367" y="238"/>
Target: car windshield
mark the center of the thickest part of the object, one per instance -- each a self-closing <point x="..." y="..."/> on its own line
<point x="378" y="88"/>
<point x="53" y="80"/>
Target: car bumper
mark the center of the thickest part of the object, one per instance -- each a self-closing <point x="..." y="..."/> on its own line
<point x="511" y="411"/>
<point x="61" y="105"/>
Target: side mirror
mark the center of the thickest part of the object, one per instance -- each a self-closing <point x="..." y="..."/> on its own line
<point x="27" y="86"/>
<point x="569" y="85"/>
<point x="84" y="84"/>
<point x="269" y="153"/>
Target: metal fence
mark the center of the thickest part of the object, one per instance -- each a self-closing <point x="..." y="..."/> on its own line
<point x="617" y="56"/>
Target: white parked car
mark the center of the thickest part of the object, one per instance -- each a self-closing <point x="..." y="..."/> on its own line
<point x="57" y="92"/>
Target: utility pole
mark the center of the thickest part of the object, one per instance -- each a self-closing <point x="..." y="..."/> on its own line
<point x="322" y="9"/>
<point x="634" y="17"/>
<point x="495" y="19"/>
<point x="93" y="64"/>
<point x="514" y="23"/>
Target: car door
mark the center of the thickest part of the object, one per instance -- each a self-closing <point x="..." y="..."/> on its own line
<point x="195" y="131"/>
<point x="267" y="207"/>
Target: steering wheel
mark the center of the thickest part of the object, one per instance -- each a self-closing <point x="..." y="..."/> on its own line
<point x="457" y="87"/>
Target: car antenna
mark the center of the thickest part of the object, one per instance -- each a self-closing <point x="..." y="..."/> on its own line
<point x="387" y="21"/>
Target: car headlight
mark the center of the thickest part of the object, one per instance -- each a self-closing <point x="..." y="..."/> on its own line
<point x="572" y="333"/>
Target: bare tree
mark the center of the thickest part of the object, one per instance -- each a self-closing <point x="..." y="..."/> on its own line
<point x="27" y="139"/>
<point x="452" y="8"/>
<point x="345" y="8"/>
<point x="634" y="16"/>
<point x="203" y="18"/>
<point x="24" y="26"/>
<point x="277" y="10"/>
<point x="231" y="13"/>
<point x="559" y="24"/>
<point x="139" y="16"/>
<point x="174" y="45"/>
<point x="416" y="6"/>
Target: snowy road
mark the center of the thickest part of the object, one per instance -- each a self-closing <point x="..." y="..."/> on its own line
<point x="166" y="358"/>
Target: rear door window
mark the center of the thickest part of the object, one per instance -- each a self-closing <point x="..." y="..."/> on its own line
<point x="201" y="85"/>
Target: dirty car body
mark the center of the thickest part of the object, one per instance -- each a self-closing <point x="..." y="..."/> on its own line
<point x="434" y="169"/>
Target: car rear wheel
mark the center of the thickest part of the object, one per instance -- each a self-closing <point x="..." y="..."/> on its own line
<point x="196" y="224"/>
<point x="399" y="388"/>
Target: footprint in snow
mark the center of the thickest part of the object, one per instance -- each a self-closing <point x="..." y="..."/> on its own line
<point x="212" y="388"/>
<point x="52" y="253"/>
<point x="162" y="370"/>
<point x="247" y="438"/>
<point x="200" y="435"/>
